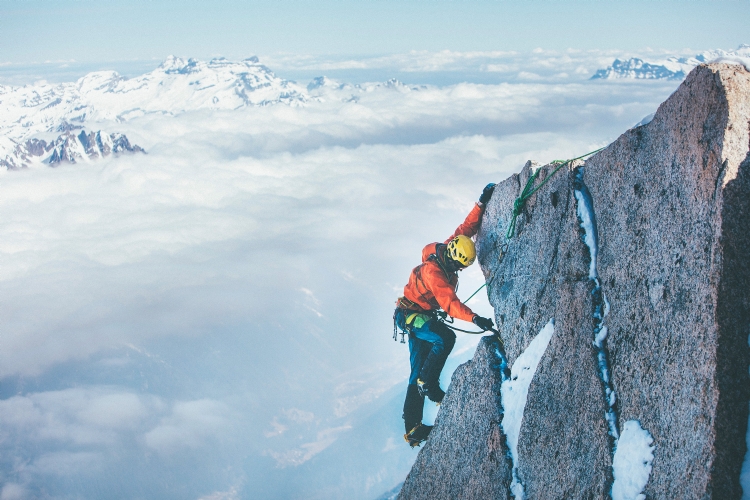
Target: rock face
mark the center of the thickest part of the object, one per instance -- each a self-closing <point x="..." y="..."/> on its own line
<point x="469" y="434"/>
<point x="654" y="330"/>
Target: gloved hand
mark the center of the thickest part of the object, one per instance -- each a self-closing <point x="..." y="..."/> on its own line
<point x="483" y="323"/>
<point x="487" y="193"/>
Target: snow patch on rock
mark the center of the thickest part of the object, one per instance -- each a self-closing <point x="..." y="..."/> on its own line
<point x="645" y="121"/>
<point x="744" y="61"/>
<point x="514" y="392"/>
<point x="631" y="464"/>
<point x="633" y="450"/>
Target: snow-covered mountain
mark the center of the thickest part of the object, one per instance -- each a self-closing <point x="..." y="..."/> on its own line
<point x="673" y="68"/>
<point x="639" y="69"/>
<point x="322" y="88"/>
<point x="30" y="112"/>
<point x="68" y="147"/>
<point x="177" y="85"/>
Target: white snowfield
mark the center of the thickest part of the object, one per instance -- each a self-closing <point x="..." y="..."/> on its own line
<point x="672" y="68"/>
<point x="176" y="86"/>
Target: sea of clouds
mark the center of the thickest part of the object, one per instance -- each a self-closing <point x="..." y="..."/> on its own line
<point x="213" y="319"/>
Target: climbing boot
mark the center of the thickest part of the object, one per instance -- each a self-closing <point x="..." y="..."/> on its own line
<point x="432" y="391"/>
<point x="417" y="435"/>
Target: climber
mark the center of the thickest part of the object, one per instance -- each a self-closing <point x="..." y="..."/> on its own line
<point x="432" y="287"/>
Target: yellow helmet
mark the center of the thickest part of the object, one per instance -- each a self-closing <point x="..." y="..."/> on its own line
<point x="461" y="249"/>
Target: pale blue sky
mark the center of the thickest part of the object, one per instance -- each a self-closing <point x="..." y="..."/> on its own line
<point x="106" y="30"/>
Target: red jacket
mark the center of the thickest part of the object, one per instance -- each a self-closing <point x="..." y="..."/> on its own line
<point x="430" y="287"/>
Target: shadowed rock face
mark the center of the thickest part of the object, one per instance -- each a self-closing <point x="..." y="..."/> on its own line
<point x="671" y="208"/>
<point x="473" y="453"/>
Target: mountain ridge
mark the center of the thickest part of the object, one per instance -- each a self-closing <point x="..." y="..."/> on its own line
<point x="68" y="147"/>
<point x="673" y="68"/>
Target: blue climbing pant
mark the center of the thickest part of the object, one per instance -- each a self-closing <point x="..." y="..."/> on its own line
<point x="429" y="347"/>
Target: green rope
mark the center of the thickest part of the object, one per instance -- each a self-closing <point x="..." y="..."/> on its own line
<point x="520" y="202"/>
<point x="529" y="190"/>
<point x="472" y="295"/>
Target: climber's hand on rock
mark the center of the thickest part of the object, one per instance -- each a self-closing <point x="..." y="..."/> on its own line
<point x="487" y="193"/>
<point x="483" y="323"/>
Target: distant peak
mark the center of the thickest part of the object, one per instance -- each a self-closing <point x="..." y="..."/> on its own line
<point x="322" y="81"/>
<point x="179" y="65"/>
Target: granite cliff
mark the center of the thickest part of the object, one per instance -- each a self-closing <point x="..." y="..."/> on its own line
<point x="624" y="306"/>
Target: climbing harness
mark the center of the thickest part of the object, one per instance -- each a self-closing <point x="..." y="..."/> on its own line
<point x="417" y="319"/>
<point x="414" y="316"/>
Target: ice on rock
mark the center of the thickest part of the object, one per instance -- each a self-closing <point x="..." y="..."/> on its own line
<point x="600" y="337"/>
<point x="588" y="223"/>
<point x="587" y="220"/>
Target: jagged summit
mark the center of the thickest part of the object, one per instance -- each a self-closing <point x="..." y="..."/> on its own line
<point x="323" y="82"/>
<point x="69" y="147"/>
<point x="637" y="260"/>
<point x="635" y="68"/>
<point x="172" y="65"/>
<point x="673" y="68"/>
<point x="325" y="87"/>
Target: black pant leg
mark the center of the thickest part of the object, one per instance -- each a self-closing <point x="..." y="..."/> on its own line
<point x="413" y="407"/>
